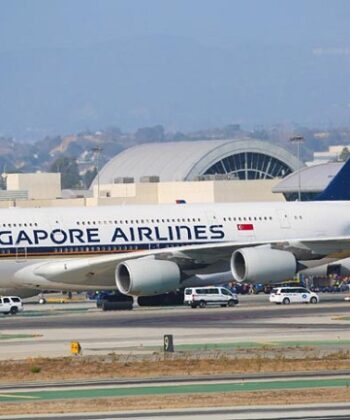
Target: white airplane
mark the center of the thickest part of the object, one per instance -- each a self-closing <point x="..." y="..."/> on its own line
<point x="151" y="249"/>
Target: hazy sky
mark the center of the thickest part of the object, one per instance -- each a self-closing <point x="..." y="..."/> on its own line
<point x="57" y="23"/>
<point x="322" y="27"/>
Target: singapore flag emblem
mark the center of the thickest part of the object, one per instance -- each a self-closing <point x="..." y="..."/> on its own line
<point x="245" y="226"/>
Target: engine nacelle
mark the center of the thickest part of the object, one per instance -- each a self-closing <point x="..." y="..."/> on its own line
<point x="147" y="277"/>
<point x="262" y="265"/>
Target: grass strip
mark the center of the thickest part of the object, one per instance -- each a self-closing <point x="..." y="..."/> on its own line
<point x="244" y="386"/>
<point x="252" y="345"/>
<point x="16" y="336"/>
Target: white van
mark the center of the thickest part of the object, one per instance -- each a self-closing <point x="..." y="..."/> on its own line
<point x="10" y="305"/>
<point x="288" y="295"/>
<point x="203" y="296"/>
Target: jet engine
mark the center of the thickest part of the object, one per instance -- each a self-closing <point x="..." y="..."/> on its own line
<point x="147" y="277"/>
<point x="262" y="265"/>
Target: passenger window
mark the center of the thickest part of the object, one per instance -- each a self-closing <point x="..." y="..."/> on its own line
<point x="214" y="291"/>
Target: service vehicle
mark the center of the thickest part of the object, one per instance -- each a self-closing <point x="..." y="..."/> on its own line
<point x="288" y="295"/>
<point x="10" y="305"/>
<point x="203" y="296"/>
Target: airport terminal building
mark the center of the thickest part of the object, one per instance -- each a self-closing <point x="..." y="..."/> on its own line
<point x="243" y="170"/>
<point x="311" y="180"/>
<point x="195" y="171"/>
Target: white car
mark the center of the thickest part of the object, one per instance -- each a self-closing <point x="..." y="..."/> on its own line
<point x="10" y="305"/>
<point x="288" y="295"/>
<point x="203" y="296"/>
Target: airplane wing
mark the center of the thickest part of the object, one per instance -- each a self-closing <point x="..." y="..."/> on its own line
<point x="99" y="271"/>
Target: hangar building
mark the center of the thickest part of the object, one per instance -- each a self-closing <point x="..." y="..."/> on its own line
<point x="229" y="170"/>
<point x="189" y="161"/>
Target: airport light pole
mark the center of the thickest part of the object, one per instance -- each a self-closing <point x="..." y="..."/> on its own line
<point x="97" y="150"/>
<point x="298" y="140"/>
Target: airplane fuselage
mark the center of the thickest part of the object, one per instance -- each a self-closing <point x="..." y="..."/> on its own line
<point x="35" y="235"/>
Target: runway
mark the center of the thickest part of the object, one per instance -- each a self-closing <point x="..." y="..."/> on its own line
<point x="48" y="331"/>
<point x="303" y="412"/>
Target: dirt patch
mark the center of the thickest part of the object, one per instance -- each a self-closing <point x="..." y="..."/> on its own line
<point x="178" y="364"/>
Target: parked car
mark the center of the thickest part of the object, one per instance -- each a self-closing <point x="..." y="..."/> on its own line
<point x="10" y="305"/>
<point x="288" y="295"/>
<point x="203" y="296"/>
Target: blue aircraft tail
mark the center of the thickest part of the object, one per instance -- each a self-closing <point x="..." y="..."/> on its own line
<point x="339" y="187"/>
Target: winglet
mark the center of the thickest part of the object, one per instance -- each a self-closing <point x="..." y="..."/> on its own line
<point x="339" y="187"/>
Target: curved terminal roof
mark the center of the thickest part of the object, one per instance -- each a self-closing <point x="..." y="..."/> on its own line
<point x="186" y="161"/>
<point x="312" y="178"/>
